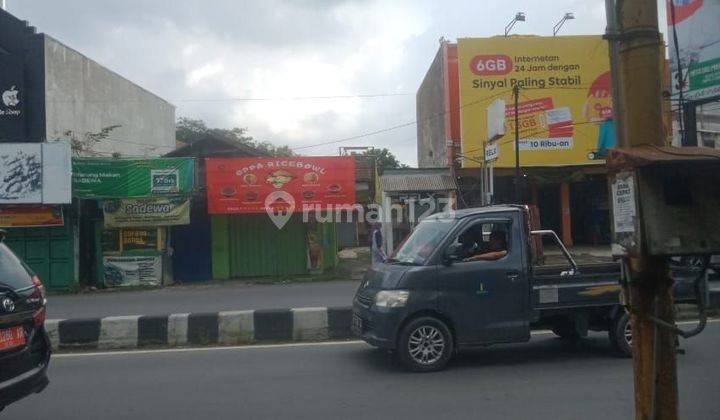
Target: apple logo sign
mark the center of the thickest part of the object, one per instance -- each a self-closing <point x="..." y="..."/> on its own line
<point x="10" y="97"/>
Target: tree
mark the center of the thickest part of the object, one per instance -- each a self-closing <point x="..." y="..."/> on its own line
<point x="385" y="159"/>
<point x="189" y="130"/>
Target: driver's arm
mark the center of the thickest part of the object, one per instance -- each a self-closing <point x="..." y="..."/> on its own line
<point x="487" y="256"/>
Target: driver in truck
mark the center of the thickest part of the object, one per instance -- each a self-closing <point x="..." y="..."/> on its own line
<point x="496" y="249"/>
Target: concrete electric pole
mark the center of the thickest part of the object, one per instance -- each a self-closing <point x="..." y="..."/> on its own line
<point x="636" y="63"/>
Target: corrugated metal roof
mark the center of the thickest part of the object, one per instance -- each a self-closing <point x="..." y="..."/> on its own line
<point x="424" y="179"/>
<point x="648" y="154"/>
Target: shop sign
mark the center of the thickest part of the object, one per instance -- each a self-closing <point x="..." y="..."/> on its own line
<point x="279" y="185"/>
<point x="139" y="239"/>
<point x="35" y="173"/>
<point x="12" y="98"/>
<point x="697" y="23"/>
<point x="21" y="215"/>
<point x="132" y="271"/>
<point x="565" y="96"/>
<point x="132" y="178"/>
<point x="491" y="152"/>
<point x="139" y="212"/>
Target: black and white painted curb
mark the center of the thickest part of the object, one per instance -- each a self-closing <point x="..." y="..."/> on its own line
<point x="227" y="328"/>
<point x="193" y="329"/>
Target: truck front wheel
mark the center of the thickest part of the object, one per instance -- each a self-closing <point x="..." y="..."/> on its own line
<point x="425" y="345"/>
<point x="621" y="334"/>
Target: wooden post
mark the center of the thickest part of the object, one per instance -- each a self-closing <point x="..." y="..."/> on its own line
<point x="565" y="213"/>
<point x="638" y="106"/>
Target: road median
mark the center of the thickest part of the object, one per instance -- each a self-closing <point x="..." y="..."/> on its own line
<point x="226" y="328"/>
<point x="199" y="329"/>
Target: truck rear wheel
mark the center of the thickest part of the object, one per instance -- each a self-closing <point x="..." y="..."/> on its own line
<point x="425" y="345"/>
<point x="620" y="334"/>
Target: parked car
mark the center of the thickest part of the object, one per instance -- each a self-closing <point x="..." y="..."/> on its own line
<point x="466" y="279"/>
<point x="24" y="343"/>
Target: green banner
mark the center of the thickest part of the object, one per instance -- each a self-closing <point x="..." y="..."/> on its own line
<point x="139" y="212"/>
<point x="132" y="178"/>
<point x="704" y="74"/>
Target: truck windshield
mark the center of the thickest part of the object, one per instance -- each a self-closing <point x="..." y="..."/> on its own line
<point x="422" y="241"/>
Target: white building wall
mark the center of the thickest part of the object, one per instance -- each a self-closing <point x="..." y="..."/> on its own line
<point x="84" y="97"/>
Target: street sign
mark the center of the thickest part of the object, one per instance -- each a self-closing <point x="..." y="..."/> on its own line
<point x="491" y="152"/>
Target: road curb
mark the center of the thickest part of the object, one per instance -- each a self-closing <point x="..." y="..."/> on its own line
<point x="193" y="329"/>
<point x="229" y="327"/>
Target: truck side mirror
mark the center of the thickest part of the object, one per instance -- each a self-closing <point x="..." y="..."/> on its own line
<point x="452" y="253"/>
<point x="3" y="234"/>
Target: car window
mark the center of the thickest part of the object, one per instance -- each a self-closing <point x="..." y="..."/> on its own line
<point x="483" y="241"/>
<point x="13" y="273"/>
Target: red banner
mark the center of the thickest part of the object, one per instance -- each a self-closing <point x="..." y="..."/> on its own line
<point x="257" y="185"/>
<point x="25" y="215"/>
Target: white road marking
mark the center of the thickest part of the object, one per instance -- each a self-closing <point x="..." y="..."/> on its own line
<point x="196" y="349"/>
<point x="266" y="346"/>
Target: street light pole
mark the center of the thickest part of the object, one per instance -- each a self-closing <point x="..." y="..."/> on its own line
<point x="519" y="17"/>
<point x="567" y="16"/>
<point x="518" y="195"/>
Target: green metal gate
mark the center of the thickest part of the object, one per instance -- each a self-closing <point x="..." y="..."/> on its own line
<point x="250" y="245"/>
<point x="49" y="251"/>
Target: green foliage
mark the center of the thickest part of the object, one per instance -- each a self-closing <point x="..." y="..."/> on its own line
<point x="385" y="159"/>
<point x="189" y="130"/>
<point x="85" y="144"/>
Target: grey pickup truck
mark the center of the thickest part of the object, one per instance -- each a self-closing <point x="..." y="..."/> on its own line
<point x="467" y="279"/>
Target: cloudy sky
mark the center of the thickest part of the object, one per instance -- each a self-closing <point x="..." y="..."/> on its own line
<point x="205" y="56"/>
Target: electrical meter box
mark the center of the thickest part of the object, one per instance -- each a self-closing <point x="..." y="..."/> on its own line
<point x="665" y="201"/>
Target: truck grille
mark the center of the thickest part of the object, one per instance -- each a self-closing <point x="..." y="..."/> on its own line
<point x="365" y="301"/>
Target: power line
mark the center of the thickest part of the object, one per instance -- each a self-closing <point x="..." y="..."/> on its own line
<point x="359" y="136"/>
<point x="384" y="130"/>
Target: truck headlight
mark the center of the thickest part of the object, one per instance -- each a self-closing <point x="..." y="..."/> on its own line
<point x="391" y="298"/>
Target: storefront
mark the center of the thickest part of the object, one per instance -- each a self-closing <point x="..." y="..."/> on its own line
<point x="276" y="216"/>
<point x="35" y="211"/>
<point x="129" y="205"/>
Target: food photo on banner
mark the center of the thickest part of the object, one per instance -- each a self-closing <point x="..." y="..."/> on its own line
<point x="262" y="206"/>
<point x="256" y="185"/>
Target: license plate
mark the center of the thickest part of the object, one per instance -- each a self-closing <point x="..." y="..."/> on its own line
<point x="357" y="324"/>
<point x="12" y="337"/>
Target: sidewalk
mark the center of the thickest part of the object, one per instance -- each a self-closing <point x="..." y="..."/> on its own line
<point x="223" y="295"/>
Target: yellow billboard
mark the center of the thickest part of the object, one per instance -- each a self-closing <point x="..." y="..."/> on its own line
<point x="564" y="104"/>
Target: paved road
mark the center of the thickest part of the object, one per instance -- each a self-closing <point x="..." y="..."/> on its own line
<point x="545" y="379"/>
<point x="202" y="298"/>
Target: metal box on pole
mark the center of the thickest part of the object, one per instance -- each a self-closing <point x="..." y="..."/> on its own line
<point x="665" y="201"/>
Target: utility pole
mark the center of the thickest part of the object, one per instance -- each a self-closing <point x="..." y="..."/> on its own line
<point x="518" y="194"/>
<point x="638" y="107"/>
